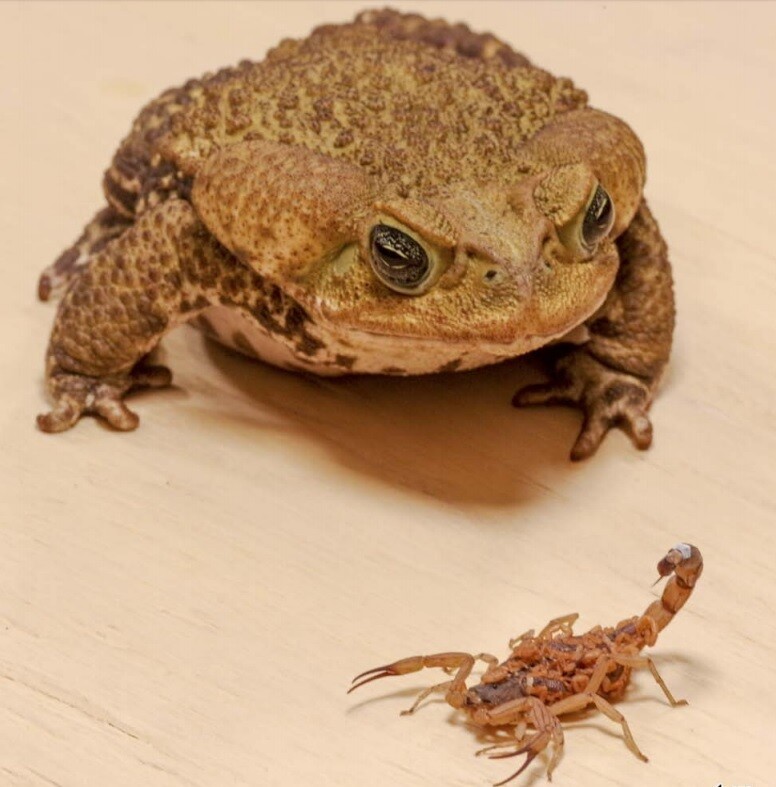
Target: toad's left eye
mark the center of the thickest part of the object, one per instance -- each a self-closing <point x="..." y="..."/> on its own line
<point x="399" y="260"/>
<point x="599" y="218"/>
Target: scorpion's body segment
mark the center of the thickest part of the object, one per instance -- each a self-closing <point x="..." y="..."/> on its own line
<point x="558" y="672"/>
<point x="552" y="668"/>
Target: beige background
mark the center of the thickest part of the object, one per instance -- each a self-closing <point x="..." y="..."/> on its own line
<point x="185" y="605"/>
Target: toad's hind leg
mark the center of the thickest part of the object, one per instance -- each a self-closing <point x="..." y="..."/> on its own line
<point x="106" y="225"/>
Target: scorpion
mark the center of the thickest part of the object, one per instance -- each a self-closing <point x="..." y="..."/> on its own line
<point x="556" y="672"/>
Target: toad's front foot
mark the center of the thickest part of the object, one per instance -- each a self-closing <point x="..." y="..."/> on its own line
<point x="607" y="397"/>
<point x="75" y="395"/>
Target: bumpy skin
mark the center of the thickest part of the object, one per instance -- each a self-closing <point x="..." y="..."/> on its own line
<point x="244" y="201"/>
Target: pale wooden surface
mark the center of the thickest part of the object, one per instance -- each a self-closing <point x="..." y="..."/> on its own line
<point x="185" y="605"/>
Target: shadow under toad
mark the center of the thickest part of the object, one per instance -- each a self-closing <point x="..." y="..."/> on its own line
<point x="454" y="437"/>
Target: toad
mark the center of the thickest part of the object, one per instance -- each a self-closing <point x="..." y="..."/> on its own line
<point x="391" y="196"/>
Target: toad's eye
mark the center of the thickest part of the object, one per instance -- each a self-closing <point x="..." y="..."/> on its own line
<point x="398" y="260"/>
<point x="599" y="218"/>
<point x="591" y="223"/>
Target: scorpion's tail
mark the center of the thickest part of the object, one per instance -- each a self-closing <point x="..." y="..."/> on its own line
<point x="685" y="563"/>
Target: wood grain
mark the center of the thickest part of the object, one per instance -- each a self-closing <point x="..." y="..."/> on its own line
<point x="185" y="605"/>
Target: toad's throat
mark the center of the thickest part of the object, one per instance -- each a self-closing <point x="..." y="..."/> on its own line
<point x="322" y="349"/>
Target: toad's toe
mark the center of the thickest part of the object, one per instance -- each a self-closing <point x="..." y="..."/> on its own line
<point x="116" y="413"/>
<point x="608" y="398"/>
<point x="64" y="416"/>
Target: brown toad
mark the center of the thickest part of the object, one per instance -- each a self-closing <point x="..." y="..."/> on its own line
<point x="390" y="196"/>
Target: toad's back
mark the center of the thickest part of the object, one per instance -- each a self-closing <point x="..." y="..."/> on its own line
<point x="407" y="112"/>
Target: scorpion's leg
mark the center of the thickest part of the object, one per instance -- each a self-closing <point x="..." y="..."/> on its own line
<point x="548" y="730"/>
<point x="425" y="693"/>
<point x="488" y="658"/>
<point x="578" y="702"/>
<point x="493" y="668"/>
<point x="515" y="641"/>
<point x="639" y="662"/>
<point x="518" y="733"/>
<point x="462" y="663"/>
<point x="609" y="710"/>
<point x="562" y="624"/>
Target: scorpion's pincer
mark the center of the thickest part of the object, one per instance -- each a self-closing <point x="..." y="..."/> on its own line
<point x="402" y="667"/>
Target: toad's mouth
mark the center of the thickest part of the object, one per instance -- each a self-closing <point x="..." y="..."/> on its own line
<point x="508" y="342"/>
<point x="377" y="342"/>
<point x="464" y="340"/>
